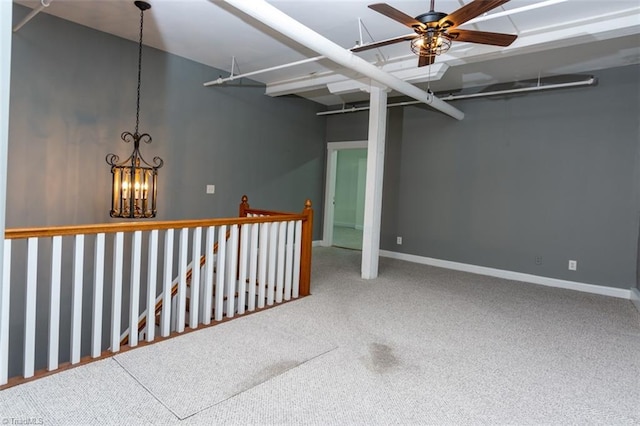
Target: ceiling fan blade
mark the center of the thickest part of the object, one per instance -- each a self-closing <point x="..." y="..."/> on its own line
<point x="396" y="15"/>
<point x="469" y="11"/>
<point x="426" y="60"/>
<point x="482" y="37"/>
<point x="376" y="44"/>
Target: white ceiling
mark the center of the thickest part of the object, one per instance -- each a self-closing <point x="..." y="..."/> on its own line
<point x="555" y="37"/>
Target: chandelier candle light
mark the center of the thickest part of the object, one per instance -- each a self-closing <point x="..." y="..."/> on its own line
<point x="134" y="181"/>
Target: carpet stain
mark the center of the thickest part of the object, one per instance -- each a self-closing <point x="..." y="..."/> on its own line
<point x="382" y="358"/>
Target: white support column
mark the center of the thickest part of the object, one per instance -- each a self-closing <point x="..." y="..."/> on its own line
<point x="6" y="16"/>
<point x="375" y="173"/>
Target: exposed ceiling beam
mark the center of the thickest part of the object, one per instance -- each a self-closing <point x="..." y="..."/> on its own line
<point x="284" y="24"/>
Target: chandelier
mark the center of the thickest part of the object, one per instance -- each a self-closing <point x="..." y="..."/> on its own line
<point x="134" y="184"/>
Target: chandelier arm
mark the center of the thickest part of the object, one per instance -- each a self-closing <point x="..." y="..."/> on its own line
<point x="112" y="159"/>
<point x="159" y="162"/>
<point x="145" y="137"/>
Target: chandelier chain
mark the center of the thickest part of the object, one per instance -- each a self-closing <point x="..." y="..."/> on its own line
<point x="139" y="71"/>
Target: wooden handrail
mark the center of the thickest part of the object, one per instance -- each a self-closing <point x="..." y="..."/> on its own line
<point x="17" y="233"/>
<point x="245" y="210"/>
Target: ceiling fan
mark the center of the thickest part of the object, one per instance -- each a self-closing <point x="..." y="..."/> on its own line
<point x="434" y="31"/>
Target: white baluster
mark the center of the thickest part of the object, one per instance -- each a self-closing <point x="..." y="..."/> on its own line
<point x="116" y="299"/>
<point x="152" y="272"/>
<point x="232" y="270"/>
<point x="98" y="290"/>
<point x="273" y="245"/>
<point x="280" y="274"/>
<point x="76" y="299"/>
<point x="54" y="303"/>
<point x="253" y="266"/>
<point x="167" y="280"/>
<point x="242" y="280"/>
<point x="201" y="295"/>
<point x="174" y="313"/>
<point x="134" y="293"/>
<point x="208" y="276"/>
<point x="182" y="279"/>
<point x="289" y="261"/>
<point x="296" y="261"/>
<point x="30" y="308"/>
<point x="4" y="313"/>
<point x="195" y="278"/>
<point x="262" y="263"/>
<point x="222" y="252"/>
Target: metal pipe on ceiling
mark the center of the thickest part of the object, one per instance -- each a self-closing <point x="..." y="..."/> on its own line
<point x="293" y="29"/>
<point x="261" y="71"/>
<point x="589" y="82"/>
<point x="31" y="14"/>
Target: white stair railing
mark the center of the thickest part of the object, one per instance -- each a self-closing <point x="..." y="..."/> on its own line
<point x="258" y="262"/>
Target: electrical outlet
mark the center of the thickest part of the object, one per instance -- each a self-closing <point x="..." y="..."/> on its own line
<point x="399" y="241"/>
<point x="573" y="265"/>
<point x="211" y="189"/>
<point x="538" y="260"/>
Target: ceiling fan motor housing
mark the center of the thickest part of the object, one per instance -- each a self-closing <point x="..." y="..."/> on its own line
<point x="431" y="18"/>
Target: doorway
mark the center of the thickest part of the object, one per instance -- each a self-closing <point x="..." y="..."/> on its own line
<point x="345" y="192"/>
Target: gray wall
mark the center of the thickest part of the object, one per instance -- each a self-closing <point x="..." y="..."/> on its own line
<point x="546" y="174"/>
<point x="73" y="93"/>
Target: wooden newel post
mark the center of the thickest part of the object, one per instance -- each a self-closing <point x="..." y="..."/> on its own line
<point x="244" y="206"/>
<point x="305" y="250"/>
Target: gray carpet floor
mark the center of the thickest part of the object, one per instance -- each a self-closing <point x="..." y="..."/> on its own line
<point x="419" y="345"/>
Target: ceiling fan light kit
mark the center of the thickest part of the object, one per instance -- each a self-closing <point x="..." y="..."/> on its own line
<point x="430" y="44"/>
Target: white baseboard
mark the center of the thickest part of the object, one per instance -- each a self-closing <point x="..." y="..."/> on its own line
<point x="511" y="275"/>
<point x="635" y="297"/>
<point x="317" y="243"/>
